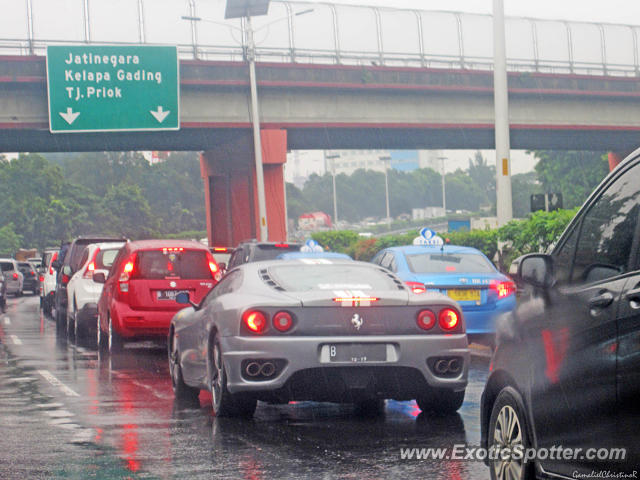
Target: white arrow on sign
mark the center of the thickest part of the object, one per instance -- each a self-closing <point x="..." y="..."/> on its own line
<point x="160" y="114"/>
<point x="69" y="117"/>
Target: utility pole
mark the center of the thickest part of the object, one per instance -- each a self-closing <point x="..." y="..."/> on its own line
<point x="504" y="207"/>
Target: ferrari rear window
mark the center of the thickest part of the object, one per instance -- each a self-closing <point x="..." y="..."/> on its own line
<point x="159" y="264"/>
<point x="339" y="276"/>
<point x="449" y="263"/>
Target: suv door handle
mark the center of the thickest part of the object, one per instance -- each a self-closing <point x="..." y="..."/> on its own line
<point x="601" y="301"/>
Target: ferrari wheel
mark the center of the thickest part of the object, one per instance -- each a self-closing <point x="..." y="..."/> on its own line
<point x="440" y="401"/>
<point x="226" y="404"/>
<point x="181" y="390"/>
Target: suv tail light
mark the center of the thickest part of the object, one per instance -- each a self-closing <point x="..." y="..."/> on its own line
<point x="504" y="289"/>
<point x="15" y="275"/>
<point x="88" y="272"/>
<point x="255" y="321"/>
<point x="53" y="259"/>
<point x="448" y="319"/>
<point x="127" y="273"/>
<point x="416" y="287"/>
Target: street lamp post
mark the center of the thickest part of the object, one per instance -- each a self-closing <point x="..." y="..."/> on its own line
<point x="444" y="194"/>
<point x="386" y="159"/>
<point x="247" y="9"/>
<point x="335" y="198"/>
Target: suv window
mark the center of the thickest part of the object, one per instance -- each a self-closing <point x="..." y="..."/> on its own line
<point x="6" y="266"/>
<point x="607" y="231"/>
<point x="270" y="252"/>
<point x="105" y="258"/>
<point x="158" y="264"/>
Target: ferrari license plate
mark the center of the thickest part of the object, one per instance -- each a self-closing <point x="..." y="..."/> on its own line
<point x="169" y="294"/>
<point x="464" y="295"/>
<point x="358" y="352"/>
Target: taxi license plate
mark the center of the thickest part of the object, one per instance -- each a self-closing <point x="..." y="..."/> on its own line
<point x="358" y="352"/>
<point x="464" y="295"/>
<point x="169" y="294"/>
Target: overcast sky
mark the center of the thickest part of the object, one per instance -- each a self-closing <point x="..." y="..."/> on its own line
<point x="613" y="11"/>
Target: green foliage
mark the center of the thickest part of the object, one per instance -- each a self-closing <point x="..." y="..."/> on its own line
<point x="536" y="234"/>
<point x="484" y="240"/>
<point x="337" y="240"/>
<point x="523" y="185"/>
<point x="573" y="173"/>
<point x="10" y="241"/>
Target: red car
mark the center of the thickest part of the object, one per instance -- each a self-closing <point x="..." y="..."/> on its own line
<point x="138" y="298"/>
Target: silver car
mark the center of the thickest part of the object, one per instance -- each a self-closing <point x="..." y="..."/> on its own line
<point x="320" y="330"/>
<point x="12" y="275"/>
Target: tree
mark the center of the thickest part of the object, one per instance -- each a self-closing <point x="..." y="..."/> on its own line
<point x="574" y="174"/>
<point x="523" y="185"/>
<point x="125" y="211"/>
<point x="484" y="176"/>
<point x="10" y="241"/>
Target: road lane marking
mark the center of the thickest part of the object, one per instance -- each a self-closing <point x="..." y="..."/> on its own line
<point x="15" y="340"/>
<point x="48" y="376"/>
<point x="7" y="321"/>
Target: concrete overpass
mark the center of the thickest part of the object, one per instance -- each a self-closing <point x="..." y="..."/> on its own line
<point x="332" y="107"/>
<point x="339" y="106"/>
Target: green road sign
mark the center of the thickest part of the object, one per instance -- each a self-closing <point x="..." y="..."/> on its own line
<point x="112" y="88"/>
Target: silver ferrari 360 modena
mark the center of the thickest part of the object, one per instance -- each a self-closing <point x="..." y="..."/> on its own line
<point x="320" y="330"/>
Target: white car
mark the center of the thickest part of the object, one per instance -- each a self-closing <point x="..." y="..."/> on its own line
<point x="48" y="281"/>
<point x="82" y="292"/>
<point x="12" y="275"/>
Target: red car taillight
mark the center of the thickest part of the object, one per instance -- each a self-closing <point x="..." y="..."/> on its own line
<point x="426" y="319"/>
<point x="255" y="321"/>
<point x="416" y="287"/>
<point x="65" y="279"/>
<point x="127" y="273"/>
<point x="282" y="321"/>
<point x="448" y="319"/>
<point x="213" y="267"/>
<point x="41" y="278"/>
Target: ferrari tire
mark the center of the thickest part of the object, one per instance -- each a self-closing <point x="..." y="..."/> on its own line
<point x="181" y="390"/>
<point x="224" y="403"/>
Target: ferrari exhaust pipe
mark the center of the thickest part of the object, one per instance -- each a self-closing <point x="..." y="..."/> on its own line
<point x="253" y="369"/>
<point x="454" y="365"/>
<point x="441" y="367"/>
<point x="268" y="369"/>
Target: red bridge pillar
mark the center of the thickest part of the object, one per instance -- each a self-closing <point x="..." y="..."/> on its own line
<point x="231" y="194"/>
<point x="614" y="159"/>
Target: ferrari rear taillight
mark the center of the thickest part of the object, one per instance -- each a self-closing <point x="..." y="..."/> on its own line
<point x="255" y="321"/>
<point x="448" y="319"/>
<point x="504" y="289"/>
<point x="416" y="287"/>
<point x="282" y="321"/>
<point x="426" y="319"/>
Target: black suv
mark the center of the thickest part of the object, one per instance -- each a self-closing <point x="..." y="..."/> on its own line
<point x="566" y="369"/>
<point x="30" y="281"/>
<point x="254" y="251"/>
<point x="67" y="264"/>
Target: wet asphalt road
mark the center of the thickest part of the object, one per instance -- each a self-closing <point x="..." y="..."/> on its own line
<point x="67" y="411"/>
